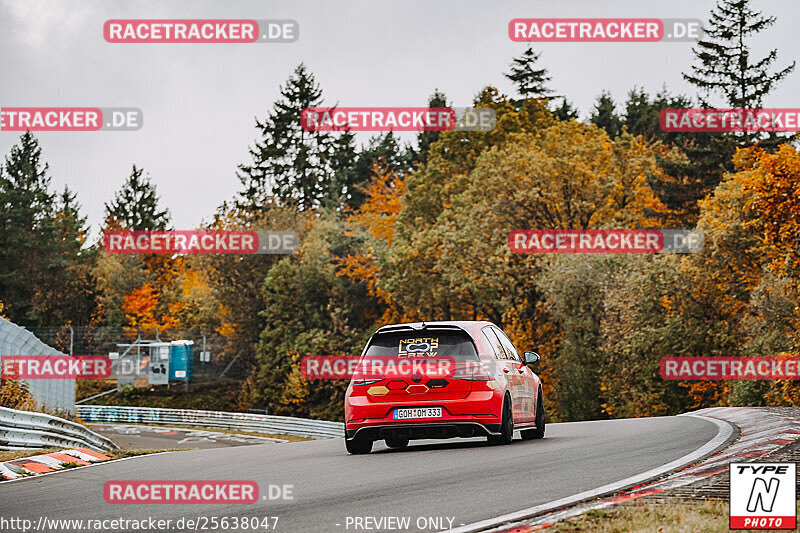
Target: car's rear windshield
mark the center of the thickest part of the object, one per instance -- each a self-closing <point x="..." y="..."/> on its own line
<point x="423" y="343"/>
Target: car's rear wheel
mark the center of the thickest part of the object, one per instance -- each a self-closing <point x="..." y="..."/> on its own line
<point x="396" y="442"/>
<point x="358" y="445"/>
<point x="538" y="432"/>
<point x="506" y="435"/>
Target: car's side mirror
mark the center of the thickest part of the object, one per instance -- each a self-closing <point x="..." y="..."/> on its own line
<point x="531" y="357"/>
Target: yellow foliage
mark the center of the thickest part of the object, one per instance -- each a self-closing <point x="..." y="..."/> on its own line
<point x="772" y="183"/>
<point x="377" y="215"/>
<point x="384" y="194"/>
<point x="14" y="394"/>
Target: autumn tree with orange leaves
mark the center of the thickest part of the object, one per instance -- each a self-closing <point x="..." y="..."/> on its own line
<point x="375" y="218"/>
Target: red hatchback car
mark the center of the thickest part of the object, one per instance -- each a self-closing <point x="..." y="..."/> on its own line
<point x="487" y="390"/>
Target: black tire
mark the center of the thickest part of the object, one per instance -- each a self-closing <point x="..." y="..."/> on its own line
<point x="538" y="432"/>
<point x="396" y="443"/>
<point x="506" y="435"/>
<point x="358" y="446"/>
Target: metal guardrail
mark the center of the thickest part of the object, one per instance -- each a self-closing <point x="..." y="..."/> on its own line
<point x="52" y="394"/>
<point x="26" y="429"/>
<point x="285" y="425"/>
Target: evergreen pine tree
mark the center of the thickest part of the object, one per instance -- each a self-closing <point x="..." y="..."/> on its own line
<point x="305" y="168"/>
<point x="67" y="293"/>
<point x="691" y="174"/>
<point x="605" y="116"/>
<point x="531" y="82"/>
<point x="725" y="65"/>
<point x="385" y="153"/>
<point x="426" y="138"/>
<point x="135" y="205"/>
<point x="340" y="189"/>
<point x="565" y="111"/>
<point x="26" y="229"/>
<point x="693" y="168"/>
<point x="642" y="114"/>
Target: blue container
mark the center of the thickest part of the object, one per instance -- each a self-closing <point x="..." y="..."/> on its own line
<point x="180" y="360"/>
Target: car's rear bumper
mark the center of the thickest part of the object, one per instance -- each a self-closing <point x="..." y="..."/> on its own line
<point x="480" y="413"/>
<point x="425" y="430"/>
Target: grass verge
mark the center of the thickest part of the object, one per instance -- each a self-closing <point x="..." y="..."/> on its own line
<point x="215" y="395"/>
<point x="706" y="516"/>
<point x="122" y="454"/>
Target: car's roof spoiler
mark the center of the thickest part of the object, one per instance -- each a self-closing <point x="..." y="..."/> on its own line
<point x="417" y="326"/>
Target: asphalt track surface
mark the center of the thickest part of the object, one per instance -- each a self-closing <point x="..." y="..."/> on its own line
<point x="465" y="480"/>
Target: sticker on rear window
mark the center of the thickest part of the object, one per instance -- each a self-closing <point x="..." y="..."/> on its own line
<point x="419" y="347"/>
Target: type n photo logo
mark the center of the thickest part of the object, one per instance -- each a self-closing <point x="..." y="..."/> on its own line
<point x="762" y="496"/>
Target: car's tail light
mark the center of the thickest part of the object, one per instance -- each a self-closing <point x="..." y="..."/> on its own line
<point x="363" y="377"/>
<point x="471" y="370"/>
<point x="365" y="381"/>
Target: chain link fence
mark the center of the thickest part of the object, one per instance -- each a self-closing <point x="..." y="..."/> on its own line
<point x="224" y="360"/>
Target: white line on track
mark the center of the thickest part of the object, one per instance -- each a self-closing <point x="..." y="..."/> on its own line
<point x="724" y="431"/>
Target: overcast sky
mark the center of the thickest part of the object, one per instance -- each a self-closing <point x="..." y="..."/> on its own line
<point x="200" y="100"/>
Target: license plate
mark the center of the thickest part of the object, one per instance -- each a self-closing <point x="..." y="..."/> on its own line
<point x="418" y="412"/>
